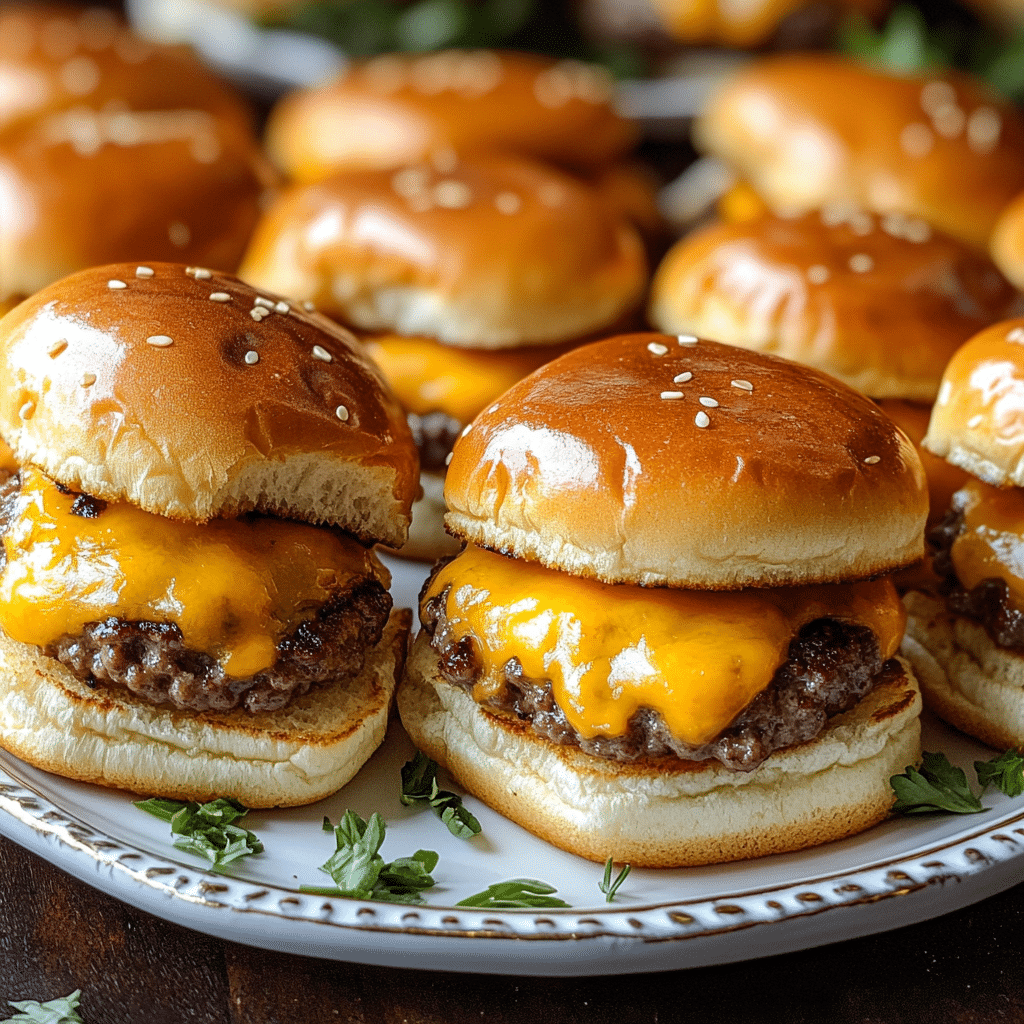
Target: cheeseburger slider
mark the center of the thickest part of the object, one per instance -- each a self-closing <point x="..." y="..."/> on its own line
<point x="967" y="642"/>
<point x="809" y="131"/>
<point x="462" y="281"/>
<point x="879" y="302"/>
<point x="189" y="605"/>
<point x="670" y="639"/>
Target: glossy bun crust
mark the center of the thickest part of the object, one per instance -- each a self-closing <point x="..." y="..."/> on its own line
<point x="495" y="252"/>
<point x="82" y="188"/>
<point x="398" y="109"/>
<point x="879" y="302"/>
<point x="1008" y="242"/>
<point x="585" y="466"/>
<point x="166" y="387"/>
<point x="812" y="131"/>
<point x="59" y="56"/>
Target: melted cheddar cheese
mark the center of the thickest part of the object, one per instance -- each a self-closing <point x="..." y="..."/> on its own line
<point x="696" y="657"/>
<point x="233" y="587"/>
<point x="427" y="376"/>
<point x="991" y="545"/>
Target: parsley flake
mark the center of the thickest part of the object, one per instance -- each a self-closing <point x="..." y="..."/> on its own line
<point x="1005" y="772"/>
<point x="517" y="893"/>
<point x="419" y="786"/>
<point x="56" y="1011"/>
<point x="609" y="887"/>
<point x="938" y="786"/>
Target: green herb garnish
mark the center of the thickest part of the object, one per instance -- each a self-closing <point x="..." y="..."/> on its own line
<point x="419" y="786"/>
<point x="607" y="886"/>
<point x="1005" y="772"/>
<point x="514" y="894"/>
<point x="207" y="830"/>
<point x="56" y="1011"/>
<point x="359" y="871"/>
<point x="938" y="786"/>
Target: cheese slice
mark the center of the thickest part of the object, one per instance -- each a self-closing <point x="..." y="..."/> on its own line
<point x="233" y="587"/>
<point x="427" y="376"/>
<point x="696" y="657"/>
<point x="991" y="545"/>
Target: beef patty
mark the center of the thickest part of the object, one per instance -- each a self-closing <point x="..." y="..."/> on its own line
<point x="152" y="661"/>
<point x="831" y="665"/>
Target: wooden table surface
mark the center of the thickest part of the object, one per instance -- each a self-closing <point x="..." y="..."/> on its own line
<point x="57" y="934"/>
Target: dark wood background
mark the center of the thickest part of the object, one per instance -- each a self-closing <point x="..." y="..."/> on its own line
<point x="57" y="934"/>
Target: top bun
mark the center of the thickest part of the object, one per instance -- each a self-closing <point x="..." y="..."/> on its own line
<point x="167" y="387"/>
<point x="812" y="131"/>
<point x="398" y="109"/>
<point x="1007" y="245"/>
<point x="59" y="56"/>
<point x="660" y="460"/>
<point x="493" y="252"/>
<point x="879" y="302"/>
<point x="978" y="419"/>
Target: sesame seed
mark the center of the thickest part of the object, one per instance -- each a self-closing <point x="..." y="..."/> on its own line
<point x="56" y="348"/>
<point x="743" y="385"/>
<point x="282" y="307"/>
<point x="551" y="194"/>
<point x="25" y="412"/>
<point x="702" y="419"/>
<point x="671" y="394"/>
<point x="257" y="313"/>
<point x="448" y="458"/>
<point x="265" y="303"/>
<point x="984" y="127"/>
<point x="949" y="120"/>
<point x="1016" y="335"/>
<point x="894" y="224"/>
<point x="309" y="307"/>
<point x="975" y="421"/>
<point x="409" y="181"/>
<point x="656" y="348"/>
<point x="199" y="273"/>
<point x="88" y="379"/>
<point x="686" y="339"/>
<point x="252" y="357"/>
<point x="452" y="195"/>
<point x="817" y="274"/>
<point x="708" y="403"/>
<point x="872" y="459"/>
<point x="682" y="378"/>
<point x="507" y="203"/>
<point x="917" y="231"/>
<point x="444" y="160"/>
<point x="159" y="341"/>
<point x="861" y="263"/>
<point x="342" y="413"/>
<point x="916" y="140"/>
<point x="220" y="297"/>
<point x="179" y="234"/>
<point x="493" y="409"/>
<point x="143" y="271"/>
<point x="862" y="224"/>
<point x="935" y="96"/>
<point x="466" y="429"/>
<point x="115" y="285"/>
<point x="945" y="392"/>
<point x="322" y="354"/>
<point x="833" y="216"/>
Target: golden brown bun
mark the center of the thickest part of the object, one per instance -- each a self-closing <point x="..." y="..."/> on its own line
<point x="296" y="755"/>
<point x="583" y="466"/>
<point x="880" y="303"/>
<point x="812" y="131"/>
<point x="1007" y="245"/>
<point x="80" y="188"/>
<point x="978" y="419"/>
<point x="495" y="253"/>
<point x="966" y="678"/>
<point x="666" y="812"/>
<point x="58" y="56"/>
<point x="153" y="388"/>
<point x="398" y="109"/>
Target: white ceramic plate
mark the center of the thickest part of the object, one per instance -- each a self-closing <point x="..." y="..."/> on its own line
<point x="903" y="871"/>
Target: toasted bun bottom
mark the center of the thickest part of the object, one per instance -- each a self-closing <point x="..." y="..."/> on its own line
<point x="967" y="679"/>
<point x="667" y="813"/>
<point x="299" y="754"/>
<point x="427" y="539"/>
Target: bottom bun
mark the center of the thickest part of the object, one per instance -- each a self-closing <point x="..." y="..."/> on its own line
<point x="668" y="813"/>
<point x="427" y="540"/>
<point x="299" y="754"/>
<point x="967" y="679"/>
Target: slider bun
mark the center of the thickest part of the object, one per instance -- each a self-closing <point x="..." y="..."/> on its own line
<point x="194" y="428"/>
<point x="58" y="56"/>
<point x="880" y="303"/>
<point x="1008" y="242"/>
<point x="495" y="253"/>
<point x="966" y="678"/>
<point x="977" y="422"/>
<point x="82" y="188"/>
<point x="583" y="466"/>
<point x="811" y="131"/>
<point x="665" y="812"/>
<point x="296" y="755"/>
<point x="397" y="109"/>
